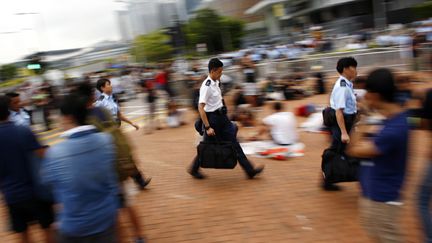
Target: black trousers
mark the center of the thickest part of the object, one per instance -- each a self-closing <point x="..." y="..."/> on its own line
<point x="46" y="116"/>
<point x="225" y="131"/>
<point x="336" y="133"/>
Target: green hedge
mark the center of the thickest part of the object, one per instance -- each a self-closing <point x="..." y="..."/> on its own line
<point x="11" y="82"/>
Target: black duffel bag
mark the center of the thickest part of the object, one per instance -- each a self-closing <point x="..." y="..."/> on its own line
<point x="217" y="155"/>
<point x="339" y="168"/>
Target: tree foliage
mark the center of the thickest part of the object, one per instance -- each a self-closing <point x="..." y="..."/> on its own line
<point x="220" y="33"/>
<point x="8" y="71"/>
<point x="152" y="47"/>
<point x="423" y="10"/>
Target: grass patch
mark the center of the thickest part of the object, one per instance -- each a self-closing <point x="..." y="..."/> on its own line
<point x="11" y="82"/>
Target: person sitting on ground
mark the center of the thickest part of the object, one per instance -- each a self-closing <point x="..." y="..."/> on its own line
<point x="175" y="115"/>
<point x="281" y="125"/>
<point x="244" y="116"/>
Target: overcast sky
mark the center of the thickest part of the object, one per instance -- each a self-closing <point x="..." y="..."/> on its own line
<point x="59" y="24"/>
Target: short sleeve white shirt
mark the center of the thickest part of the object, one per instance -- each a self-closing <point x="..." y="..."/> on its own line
<point x="210" y="95"/>
<point x="108" y="102"/>
<point x="343" y="97"/>
<point x="20" y="118"/>
<point x="283" y="127"/>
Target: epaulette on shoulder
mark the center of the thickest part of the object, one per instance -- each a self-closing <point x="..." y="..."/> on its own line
<point x="208" y="82"/>
<point x="101" y="98"/>
<point x="343" y="83"/>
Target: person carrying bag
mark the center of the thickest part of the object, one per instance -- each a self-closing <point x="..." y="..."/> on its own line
<point x="215" y="121"/>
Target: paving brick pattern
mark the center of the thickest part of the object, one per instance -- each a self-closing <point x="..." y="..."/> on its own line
<point x="284" y="204"/>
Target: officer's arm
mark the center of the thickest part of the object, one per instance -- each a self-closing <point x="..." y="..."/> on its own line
<point x="203" y="115"/>
<point x="125" y="119"/>
<point x="341" y="121"/>
<point x="340" y="97"/>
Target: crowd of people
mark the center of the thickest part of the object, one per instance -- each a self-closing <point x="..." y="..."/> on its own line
<point x="86" y="172"/>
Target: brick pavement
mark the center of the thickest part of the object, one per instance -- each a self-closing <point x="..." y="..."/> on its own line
<point x="284" y="204"/>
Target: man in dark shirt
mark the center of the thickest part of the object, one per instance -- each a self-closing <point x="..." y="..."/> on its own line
<point x="17" y="182"/>
<point x="425" y="193"/>
<point x="386" y="147"/>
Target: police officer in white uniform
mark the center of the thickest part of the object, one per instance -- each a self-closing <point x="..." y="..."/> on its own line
<point x="343" y="101"/>
<point x="217" y="125"/>
<point x="17" y="114"/>
<point x="107" y="101"/>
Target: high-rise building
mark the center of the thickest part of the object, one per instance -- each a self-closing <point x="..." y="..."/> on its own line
<point x="124" y="25"/>
<point x="339" y="16"/>
<point x="191" y="5"/>
<point x="234" y="9"/>
<point x="145" y="16"/>
<point x="168" y="14"/>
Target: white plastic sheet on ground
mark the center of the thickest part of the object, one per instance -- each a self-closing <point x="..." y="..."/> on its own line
<point x="313" y="124"/>
<point x="268" y="149"/>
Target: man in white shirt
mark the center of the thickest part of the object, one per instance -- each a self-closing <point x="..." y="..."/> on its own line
<point x="281" y="126"/>
<point x="343" y="101"/>
<point x="214" y="117"/>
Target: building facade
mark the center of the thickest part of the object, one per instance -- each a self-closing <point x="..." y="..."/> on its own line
<point x="145" y="16"/>
<point x="341" y="16"/>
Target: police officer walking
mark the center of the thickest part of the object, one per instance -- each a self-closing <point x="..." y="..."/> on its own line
<point x="107" y="101"/>
<point x="343" y="101"/>
<point x="17" y="114"/>
<point x="217" y="125"/>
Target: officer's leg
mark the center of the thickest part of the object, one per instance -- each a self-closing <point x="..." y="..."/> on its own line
<point x="229" y="134"/>
<point x="335" y="146"/>
<point x="46" y="114"/>
<point x="140" y="180"/>
<point x="194" y="167"/>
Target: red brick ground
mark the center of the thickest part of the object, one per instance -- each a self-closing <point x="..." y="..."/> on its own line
<point x="285" y="204"/>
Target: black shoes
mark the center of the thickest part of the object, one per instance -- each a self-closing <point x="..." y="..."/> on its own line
<point x="330" y="187"/>
<point x="141" y="181"/>
<point x="255" y="172"/>
<point x="196" y="175"/>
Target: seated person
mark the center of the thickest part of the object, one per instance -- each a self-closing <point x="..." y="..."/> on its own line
<point x="175" y="115"/>
<point x="282" y="126"/>
<point x="244" y="116"/>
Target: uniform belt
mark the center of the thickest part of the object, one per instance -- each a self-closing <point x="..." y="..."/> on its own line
<point x="350" y="115"/>
<point x="220" y="111"/>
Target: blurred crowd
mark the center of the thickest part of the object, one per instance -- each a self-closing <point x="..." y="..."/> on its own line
<point x="86" y="172"/>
